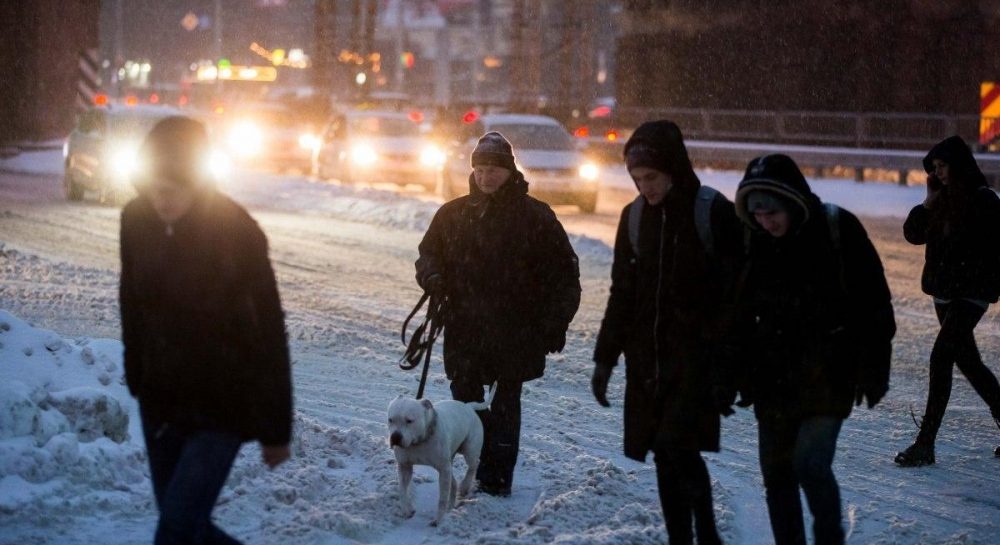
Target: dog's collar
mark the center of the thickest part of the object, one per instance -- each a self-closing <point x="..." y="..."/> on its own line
<point x="431" y="428"/>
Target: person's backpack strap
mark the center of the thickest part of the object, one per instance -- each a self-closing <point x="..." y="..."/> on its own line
<point x="634" y="217"/>
<point x="833" y="225"/>
<point x="833" y="222"/>
<point x="703" y="217"/>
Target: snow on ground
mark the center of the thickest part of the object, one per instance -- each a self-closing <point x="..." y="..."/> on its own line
<point x="73" y="469"/>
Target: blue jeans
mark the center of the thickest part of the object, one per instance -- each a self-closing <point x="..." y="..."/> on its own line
<point x="798" y="452"/>
<point x="189" y="468"/>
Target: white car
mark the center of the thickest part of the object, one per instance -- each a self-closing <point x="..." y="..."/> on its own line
<point x="102" y="152"/>
<point x="557" y="171"/>
<point x="377" y="146"/>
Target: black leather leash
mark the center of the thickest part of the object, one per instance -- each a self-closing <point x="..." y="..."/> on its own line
<point x="421" y="343"/>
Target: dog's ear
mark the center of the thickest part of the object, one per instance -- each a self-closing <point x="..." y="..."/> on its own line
<point x="427" y="404"/>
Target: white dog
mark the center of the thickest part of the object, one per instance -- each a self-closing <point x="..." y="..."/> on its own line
<point x="430" y="434"/>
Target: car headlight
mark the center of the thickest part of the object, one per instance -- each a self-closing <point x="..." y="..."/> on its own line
<point x="124" y="162"/>
<point x="246" y="139"/>
<point x="431" y="156"/>
<point x="363" y="155"/>
<point x="588" y="171"/>
<point x="309" y="141"/>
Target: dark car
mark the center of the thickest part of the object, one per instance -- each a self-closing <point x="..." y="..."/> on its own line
<point x="269" y="135"/>
<point x="377" y="146"/>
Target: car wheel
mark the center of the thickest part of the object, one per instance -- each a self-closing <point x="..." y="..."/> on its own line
<point x="73" y="190"/>
<point x="587" y="202"/>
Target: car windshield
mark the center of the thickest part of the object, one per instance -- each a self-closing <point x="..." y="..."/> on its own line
<point x="383" y="126"/>
<point x="534" y="136"/>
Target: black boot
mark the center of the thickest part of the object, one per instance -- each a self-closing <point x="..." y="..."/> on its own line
<point x="996" y="451"/>
<point x="916" y="455"/>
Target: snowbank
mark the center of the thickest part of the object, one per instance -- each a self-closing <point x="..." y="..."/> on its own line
<point x="68" y="426"/>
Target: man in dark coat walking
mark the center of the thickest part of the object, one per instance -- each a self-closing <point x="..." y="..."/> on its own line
<point x="959" y="222"/>
<point x="818" y="323"/>
<point x="203" y="330"/>
<point x="664" y="312"/>
<point x="511" y="283"/>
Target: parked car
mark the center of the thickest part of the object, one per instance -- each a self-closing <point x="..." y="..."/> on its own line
<point x="377" y="146"/>
<point x="269" y="135"/>
<point x="556" y="168"/>
<point x="101" y="154"/>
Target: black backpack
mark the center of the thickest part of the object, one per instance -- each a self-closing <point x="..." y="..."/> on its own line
<point x="702" y="219"/>
<point x="703" y="225"/>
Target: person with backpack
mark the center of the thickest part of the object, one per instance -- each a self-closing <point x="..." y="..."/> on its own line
<point x="676" y="252"/>
<point x="815" y="326"/>
<point x="959" y="224"/>
<point x="510" y="281"/>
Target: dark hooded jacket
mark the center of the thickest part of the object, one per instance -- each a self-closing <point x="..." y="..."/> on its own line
<point x="816" y="315"/>
<point x="202" y="325"/>
<point x="665" y="308"/>
<point x="511" y="279"/>
<point x="961" y="230"/>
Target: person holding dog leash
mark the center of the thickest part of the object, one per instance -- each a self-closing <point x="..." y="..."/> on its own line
<point x="676" y="253"/>
<point x="510" y="281"/>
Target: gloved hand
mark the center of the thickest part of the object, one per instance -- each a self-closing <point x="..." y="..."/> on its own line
<point x="554" y="337"/>
<point x="599" y="383"/>
<point x="870" y="392"/>
<point x="724" y="397"/>
<point x="434" y="284"/>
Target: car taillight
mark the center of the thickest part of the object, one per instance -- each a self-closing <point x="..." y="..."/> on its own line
<point x="611" y="135"/>
<point x="581" y="132"/>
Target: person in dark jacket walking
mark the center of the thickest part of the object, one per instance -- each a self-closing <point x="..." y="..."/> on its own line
<point x="959" y="222"/>
<point x="511" y="284"/>
<point x="664" y="313"/>
<point x="817" y="325"/>
<point x="203" y="331"/>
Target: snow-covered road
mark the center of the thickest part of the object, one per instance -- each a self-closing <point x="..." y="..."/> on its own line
<point x="343" y="258"/>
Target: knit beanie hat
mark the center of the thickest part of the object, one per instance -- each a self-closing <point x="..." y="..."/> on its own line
<point x="495" y="150"/>
<point x="175" y="148"/>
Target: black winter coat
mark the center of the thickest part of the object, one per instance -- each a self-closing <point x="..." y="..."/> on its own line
<point x="202" y="324"/>
<point x="511" y="279"/>
<point x="819" y="319"/>
<point x="664" y="313"/>
<point x="962" y="231"/>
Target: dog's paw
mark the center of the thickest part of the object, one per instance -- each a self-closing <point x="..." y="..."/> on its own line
<point x="407" y="513"/>
<point x="434" y="523"/>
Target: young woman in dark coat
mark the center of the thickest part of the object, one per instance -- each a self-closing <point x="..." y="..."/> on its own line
<point x="663" y="314"/>
<point x="511" y="281"/>
<point x="959" y="222"/>
<point x="817" y="324"/>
